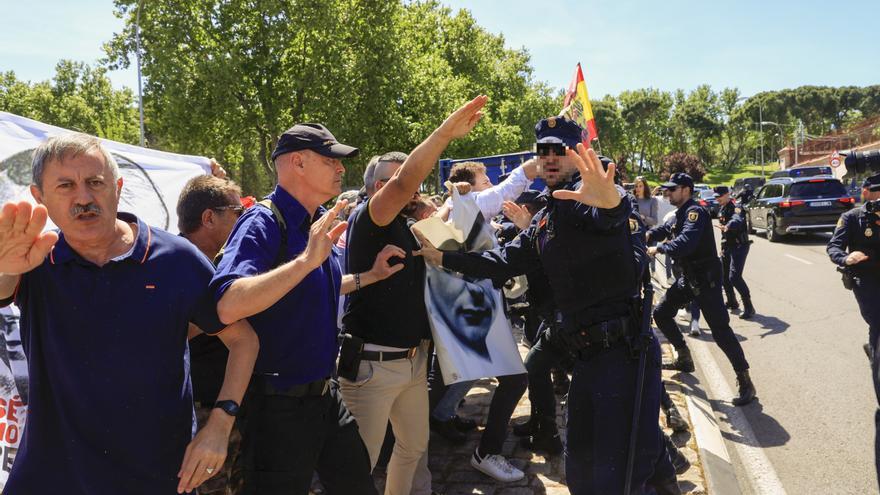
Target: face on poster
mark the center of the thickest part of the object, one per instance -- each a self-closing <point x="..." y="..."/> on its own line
<point x="466" y="306"/>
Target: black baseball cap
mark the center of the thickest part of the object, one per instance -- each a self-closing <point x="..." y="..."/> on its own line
<point x="531" y="196"/>
<point x="678" y="179"/>
<point x="315" y="137"/>
<point x="720" y="191"/>
<point x="872" y="183"/>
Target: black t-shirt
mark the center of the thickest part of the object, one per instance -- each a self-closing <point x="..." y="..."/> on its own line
<point x="208" y="355"/>
<point x="390" y="312"/>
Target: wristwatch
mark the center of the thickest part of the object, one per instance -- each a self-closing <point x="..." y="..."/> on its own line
<point x="230" y="407"/>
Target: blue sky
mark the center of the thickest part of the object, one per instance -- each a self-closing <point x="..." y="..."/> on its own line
<point x="622" y="44"/>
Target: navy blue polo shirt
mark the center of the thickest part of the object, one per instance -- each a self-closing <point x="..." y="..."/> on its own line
<point x="298" y="333"/>
<point x="110" y="407"/>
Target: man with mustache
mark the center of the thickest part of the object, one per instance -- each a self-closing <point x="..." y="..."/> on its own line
<point x="104" y="323"/>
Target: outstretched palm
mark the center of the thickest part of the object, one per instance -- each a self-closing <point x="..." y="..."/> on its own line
<point x="23" y="244"/>
<point x="464" y="119"/>
<point x="597" y="184"/>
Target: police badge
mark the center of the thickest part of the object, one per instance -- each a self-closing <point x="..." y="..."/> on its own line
<point x="869" y="232"/>
<point x="693" y="216"/>
<point x="633" y="225"/>
<point x="551" y="122"/>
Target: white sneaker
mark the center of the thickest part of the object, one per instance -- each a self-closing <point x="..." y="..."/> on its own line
<point x="695" y="328"/>
<point x="496" y="466"/>
<point x="683" y="315"/>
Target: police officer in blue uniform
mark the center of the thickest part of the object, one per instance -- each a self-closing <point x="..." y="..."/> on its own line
<point x="855" y="247"/>
<point x="691" y="243"/>
<point x="734" y="250"/>
<point x="582" y="240"/>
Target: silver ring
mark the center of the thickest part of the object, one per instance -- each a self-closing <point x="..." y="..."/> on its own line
<point x="209" y="470"/>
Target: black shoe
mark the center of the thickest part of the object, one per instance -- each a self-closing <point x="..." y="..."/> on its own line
<point x="668" y="487"/>
<point x="560" y="382"/>
<point x="544" y="438"/>
<point x="684" y="362"/>
<point x="679" y="461"/>
<point x="731" y="303"/>
<point x="524" y="429"/>
<point x="447" y="430"/>
<point x="748" y="310"/>
<point x="747" y="392"/>
<point x="675" y="421"/>
<point x="464" y="425"/>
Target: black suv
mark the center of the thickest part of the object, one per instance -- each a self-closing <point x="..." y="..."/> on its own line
<point x="803" y="204"/>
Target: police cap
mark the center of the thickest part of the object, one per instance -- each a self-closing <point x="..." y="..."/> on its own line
<point x="872" y="183"/>
<point x="559" y="130"/>
<point x="678" y="179"/>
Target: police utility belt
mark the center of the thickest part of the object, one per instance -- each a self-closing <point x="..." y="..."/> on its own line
<point x="599" y="336"/>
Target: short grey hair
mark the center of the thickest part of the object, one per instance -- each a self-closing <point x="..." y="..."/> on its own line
<point x="68" y="146"/>
<point x="369" y="171"/>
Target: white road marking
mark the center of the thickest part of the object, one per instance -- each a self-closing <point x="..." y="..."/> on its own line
<point x="798" y="259"/>
<point x="760" y="473"/>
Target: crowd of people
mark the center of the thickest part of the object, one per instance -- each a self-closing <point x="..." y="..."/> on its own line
<point x="295" y="339"/>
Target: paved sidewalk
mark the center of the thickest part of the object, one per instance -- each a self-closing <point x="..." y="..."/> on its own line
<point x="453" y="474"/>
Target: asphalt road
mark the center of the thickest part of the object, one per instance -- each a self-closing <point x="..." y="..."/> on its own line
<point x="814" y="417"/>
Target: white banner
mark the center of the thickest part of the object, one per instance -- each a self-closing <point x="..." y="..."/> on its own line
<point x="152" y="179"/>
<point x="472" y="335"/>
<point x="13" y="389"/>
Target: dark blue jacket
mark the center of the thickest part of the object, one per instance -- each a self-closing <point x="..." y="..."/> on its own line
<point x="691" y="240"/>
<point x="857" y="230"/>
<point x="737" y="234"/>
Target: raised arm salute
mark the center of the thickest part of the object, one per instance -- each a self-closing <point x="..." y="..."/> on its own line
<point x="23" y="244"/>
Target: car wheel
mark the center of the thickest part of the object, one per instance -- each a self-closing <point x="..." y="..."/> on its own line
<point x="772" y="234"/>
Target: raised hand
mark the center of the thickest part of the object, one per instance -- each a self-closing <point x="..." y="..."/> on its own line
<point x="23" y="244"/>
<point x="323" y="235"/>
<point x="597" y="184"/>
<point x="464" y="119"/>
<point x="517" y="214"/>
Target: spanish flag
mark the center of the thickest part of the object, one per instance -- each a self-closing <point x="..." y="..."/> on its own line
<point x="577" y="106"/>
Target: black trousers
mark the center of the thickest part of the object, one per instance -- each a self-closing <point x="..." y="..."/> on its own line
<point x="867" y="292"/>
<point x="540" y="361"/>
<point x="733" y="262"/>
<point x="712" y="306"/>
<point x="286" y="439"/>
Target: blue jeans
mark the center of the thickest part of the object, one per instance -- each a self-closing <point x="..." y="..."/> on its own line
<point x="448" y="405"/>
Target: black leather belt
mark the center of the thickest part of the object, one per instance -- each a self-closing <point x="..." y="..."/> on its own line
<point x="388" y="355"/>
<point x="316" y="388"/>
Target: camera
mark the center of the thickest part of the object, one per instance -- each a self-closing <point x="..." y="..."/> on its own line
<point x="872" y="206"/>
<point x="863" y="161"/>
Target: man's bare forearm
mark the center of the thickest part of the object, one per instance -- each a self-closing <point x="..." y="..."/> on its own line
<point x="390" y="199"/>
<point x="250" y="295"/>
<point x="243" y="345"/>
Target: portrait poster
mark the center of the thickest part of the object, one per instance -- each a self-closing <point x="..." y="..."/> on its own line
<point x="472" y="334"/>
<point x="13" y="389"/>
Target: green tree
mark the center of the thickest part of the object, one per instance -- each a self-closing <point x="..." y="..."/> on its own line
<point x="79" y="97"/>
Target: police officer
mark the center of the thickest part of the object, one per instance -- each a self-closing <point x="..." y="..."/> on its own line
<point x="582" y="241"/>
<point x="692" y="245"/>
<point x="855" y="246"/>
<point x="734" y="250"/>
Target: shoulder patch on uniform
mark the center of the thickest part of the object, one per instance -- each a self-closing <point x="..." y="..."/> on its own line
<point x="693" y="216"/>
<point x="738" y="209"/>
<point x="840" y="222"/>
<point x="633" y="225"/>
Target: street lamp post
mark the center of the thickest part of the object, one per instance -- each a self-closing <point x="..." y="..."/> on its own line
<point x="137" y="40"/>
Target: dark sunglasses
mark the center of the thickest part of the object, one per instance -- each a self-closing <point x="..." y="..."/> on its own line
<point x="237" y="209"/>
<point x="544" y="149"/>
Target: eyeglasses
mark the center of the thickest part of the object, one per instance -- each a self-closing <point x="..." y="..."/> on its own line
<point x="544" y="149"/>
<point x="237" y="209"/>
